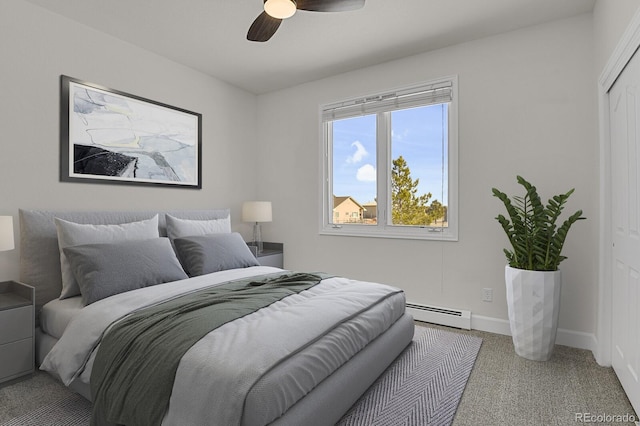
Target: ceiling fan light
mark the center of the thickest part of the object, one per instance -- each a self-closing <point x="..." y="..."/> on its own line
<point x="280" y="9"/>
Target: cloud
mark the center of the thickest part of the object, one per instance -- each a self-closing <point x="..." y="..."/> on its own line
<point x="398" y="137"/>
<point x="366" y="173"/>
<point x="360" y="153"/>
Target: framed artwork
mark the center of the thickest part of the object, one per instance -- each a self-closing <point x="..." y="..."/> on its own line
<point x="108" y="136"/>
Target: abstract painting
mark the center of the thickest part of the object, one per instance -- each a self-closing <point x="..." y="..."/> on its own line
<point x="108" y="136"/>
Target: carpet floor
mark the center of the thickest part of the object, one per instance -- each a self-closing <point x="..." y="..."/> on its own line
<point x="422" y="387"/>
<point x="567" y="390"/>
<point x="503" y="388"/>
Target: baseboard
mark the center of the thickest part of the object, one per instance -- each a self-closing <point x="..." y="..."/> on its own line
<point x="574" y="339"/>
<point x="577" y="339"/>
<point x="489" y="324"/>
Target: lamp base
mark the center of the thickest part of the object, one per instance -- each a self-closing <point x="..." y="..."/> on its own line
<point x="257" y="237"/>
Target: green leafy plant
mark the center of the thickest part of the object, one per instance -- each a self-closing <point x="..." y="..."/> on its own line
<point x="535" y="240"/>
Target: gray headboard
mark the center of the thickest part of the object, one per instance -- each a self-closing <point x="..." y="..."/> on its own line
<point x="39" y="253"/>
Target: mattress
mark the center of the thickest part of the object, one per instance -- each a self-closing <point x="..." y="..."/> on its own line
<point x="331" y="398"/>
<point x="56" y="315"/>
<point x="315" y="348"/>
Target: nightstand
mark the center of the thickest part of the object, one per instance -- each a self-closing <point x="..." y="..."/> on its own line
<point x="272" y="254"/>
<point x="17" y="318"/>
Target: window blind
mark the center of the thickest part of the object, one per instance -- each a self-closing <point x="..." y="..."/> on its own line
<point x="435" y="93"/>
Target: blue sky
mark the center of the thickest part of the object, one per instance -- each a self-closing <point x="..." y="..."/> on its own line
<point x="416" y="135"/>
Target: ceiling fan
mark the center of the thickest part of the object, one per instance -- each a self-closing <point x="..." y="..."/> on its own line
<point x="268" y="22"/>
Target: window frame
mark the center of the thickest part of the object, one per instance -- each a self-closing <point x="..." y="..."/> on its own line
<point x="383" y="229"/>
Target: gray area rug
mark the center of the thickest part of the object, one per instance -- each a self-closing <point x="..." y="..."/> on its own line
<point x="72" y="410"/>
<point x="422" y="387"/>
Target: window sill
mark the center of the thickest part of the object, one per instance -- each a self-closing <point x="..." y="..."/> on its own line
<point x="434" y="234"/>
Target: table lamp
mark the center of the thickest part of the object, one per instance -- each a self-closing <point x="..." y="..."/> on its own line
<point x="256" y="212"/>
<point x="6" y="233"/>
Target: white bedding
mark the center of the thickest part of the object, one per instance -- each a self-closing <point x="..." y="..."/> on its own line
<point x="354" y="313"/>
<point x="68" y="357"/>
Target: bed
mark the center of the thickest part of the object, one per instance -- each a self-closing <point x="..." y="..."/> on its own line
<point x="302" y="358"/>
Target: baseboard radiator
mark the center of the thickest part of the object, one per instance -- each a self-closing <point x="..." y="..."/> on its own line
<point x="442" y="316"/>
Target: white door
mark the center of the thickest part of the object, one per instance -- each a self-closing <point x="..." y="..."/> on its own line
<point x="624" y="112"/>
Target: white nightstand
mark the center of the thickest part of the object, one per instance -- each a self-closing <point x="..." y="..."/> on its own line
<point x="272" y="254"/>
<point x="17" y="325"/>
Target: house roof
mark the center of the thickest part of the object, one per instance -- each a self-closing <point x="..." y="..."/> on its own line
<point x="339" y="200"/>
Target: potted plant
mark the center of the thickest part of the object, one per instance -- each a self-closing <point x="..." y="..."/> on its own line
<point x="532" y="276"/>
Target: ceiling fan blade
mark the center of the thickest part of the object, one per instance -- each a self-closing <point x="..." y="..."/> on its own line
<point x="329" y="5"/>
<point x="263" y="27"/>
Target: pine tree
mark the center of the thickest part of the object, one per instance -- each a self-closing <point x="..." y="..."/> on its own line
<point x="436" y="211"/>
<point x="407" y="207"/>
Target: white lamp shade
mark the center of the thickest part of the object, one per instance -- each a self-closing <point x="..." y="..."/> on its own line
<point x="256" y="211"/>
<point x="6" y="233"/>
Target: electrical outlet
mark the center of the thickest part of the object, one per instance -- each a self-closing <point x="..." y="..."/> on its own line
<point x="487" y="295"/>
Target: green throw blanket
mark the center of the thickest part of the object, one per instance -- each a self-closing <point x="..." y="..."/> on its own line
<point x="135" y="367"/>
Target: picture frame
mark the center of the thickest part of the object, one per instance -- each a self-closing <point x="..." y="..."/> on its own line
<point x="112" y="137"/>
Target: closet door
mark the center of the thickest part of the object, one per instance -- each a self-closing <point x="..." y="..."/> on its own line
<point x="624" y="113"/>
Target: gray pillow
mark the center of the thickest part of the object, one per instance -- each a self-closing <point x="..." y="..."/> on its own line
<point x="75" y="234"/>
<point x="177" y="228"/>
<point x="205" y="254"/>
<point x="103" y="270"/>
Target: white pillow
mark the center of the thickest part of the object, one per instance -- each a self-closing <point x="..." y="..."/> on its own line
<point x="178" y="228"/>
<point x="72" y="234"/>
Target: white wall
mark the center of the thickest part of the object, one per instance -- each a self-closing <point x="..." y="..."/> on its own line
<point x="36" y="47"/>
<point x="610" y="19"/>
<point x="527" y="105"/>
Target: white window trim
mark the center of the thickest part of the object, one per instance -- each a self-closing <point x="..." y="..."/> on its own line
<point x="383" y="229"/>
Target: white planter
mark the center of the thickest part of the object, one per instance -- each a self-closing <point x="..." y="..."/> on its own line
<point x="533" y="299"/>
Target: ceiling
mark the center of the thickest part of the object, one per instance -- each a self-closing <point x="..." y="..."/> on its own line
<point x="210" y="35"/>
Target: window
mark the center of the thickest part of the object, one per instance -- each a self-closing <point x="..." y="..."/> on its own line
<point x="393" y="157"/>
